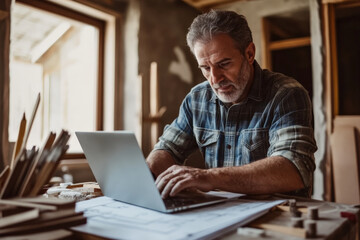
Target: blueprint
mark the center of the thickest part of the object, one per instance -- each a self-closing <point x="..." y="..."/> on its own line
<point x="117" y="220"/>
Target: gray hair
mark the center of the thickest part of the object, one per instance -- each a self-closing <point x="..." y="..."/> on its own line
<point x="207" y="25"/>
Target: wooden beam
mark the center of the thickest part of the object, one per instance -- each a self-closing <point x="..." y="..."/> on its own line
<point x="3" y="14"/>
<point x="265" y="42"/>
<point x="336" y="1"/>
<point x="290" y="43"/>
<point x="206" y="3"/>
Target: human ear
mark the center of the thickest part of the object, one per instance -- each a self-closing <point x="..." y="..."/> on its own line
<point x="250" y="53"/>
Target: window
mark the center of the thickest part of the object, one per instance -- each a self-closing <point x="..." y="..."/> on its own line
<point x="341" y="33"/>
<point x="59" y="53"/>
<point x="286" y="45"/>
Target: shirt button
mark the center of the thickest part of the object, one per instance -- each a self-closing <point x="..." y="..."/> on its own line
<point x="228" y="146"/>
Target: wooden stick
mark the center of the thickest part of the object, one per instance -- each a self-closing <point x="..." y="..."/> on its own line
<point x="154" y="101"/>
<point x="28" y="130"/>
<point x="3" y="176"/>
<point x="19" y="141"/>
<point x="32" y="172"/>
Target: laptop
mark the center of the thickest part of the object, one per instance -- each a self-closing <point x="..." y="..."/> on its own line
<point x="120" y="169"/>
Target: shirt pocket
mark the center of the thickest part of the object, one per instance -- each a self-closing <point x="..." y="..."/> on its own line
<point x="207" y="140"/>
<point x="254" y="144"/>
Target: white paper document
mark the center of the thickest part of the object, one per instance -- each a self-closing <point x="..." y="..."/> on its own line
<point x="117" y="220"/>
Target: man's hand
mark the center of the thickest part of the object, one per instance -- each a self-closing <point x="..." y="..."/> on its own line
<point x="177" y="178"/>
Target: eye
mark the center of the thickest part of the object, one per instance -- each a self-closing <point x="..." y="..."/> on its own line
<point x="205" y="68"/>
<point x="224" y="64"/>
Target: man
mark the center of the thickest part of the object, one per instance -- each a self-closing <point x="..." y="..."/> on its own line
<point x="252" y="126"/>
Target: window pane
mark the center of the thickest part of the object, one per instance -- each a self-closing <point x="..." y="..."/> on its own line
<point x="348" y="37"/>
<point x="57" y="57"/>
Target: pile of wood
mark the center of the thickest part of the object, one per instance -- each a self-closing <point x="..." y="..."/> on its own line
<point x="34" y="168"/>
<point x="31" y="169"/>
<point x="31" y="217"/>
<point x="24" y="214"/>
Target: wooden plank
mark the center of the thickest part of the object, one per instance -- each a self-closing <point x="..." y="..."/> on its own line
<point x="265" y="41"/>
<point x="334" y="62"/>
<point x="290" y="43"/>
<point x="335" y="1"/>
<point x="3" y="15"/>
<point x="19" y="140"/>
<point x="19" y="218"/>
<point x="345" y="165"/>
<point x="328" y="85"/>
<point x="28" y="205"/>
<point x="206" y="3"/>
<point x="296" y="232"/>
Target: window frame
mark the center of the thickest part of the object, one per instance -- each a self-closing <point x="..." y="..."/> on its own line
<point x="331" y="63"/>
<point x="98" y="24"/>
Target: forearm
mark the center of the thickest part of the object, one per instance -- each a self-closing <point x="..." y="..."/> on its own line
<point x="158" y="161"/>
<point x="269" y="175"/>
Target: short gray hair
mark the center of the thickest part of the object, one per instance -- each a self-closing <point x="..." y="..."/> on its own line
<point x="207" y="25"/>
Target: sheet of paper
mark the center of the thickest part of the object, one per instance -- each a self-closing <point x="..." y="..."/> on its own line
<point x="224" y="194"/>
<point x="113" y="219"/>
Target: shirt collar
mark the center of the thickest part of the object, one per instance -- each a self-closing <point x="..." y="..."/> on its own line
<point x="255" y="92"/>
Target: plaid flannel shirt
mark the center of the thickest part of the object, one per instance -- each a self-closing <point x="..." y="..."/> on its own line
<point x="274" y="120"/>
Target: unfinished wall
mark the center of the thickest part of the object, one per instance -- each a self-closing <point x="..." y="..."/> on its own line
<point x="161" y="38"/>
<point x="131" y="62"/>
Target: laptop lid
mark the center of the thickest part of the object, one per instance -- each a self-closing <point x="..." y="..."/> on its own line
<point x="120" y="169"/>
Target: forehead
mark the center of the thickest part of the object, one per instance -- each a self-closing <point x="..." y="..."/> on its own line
<point x="220" y="46"/>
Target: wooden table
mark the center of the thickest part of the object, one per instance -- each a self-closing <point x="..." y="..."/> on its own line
<point x="330" y="225"/>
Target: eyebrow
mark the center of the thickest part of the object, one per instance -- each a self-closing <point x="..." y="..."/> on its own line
<point x="217" y="63"/>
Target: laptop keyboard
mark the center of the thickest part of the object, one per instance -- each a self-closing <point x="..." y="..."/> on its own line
<point x="178" y="202"/>
<point x="173" y="202"/>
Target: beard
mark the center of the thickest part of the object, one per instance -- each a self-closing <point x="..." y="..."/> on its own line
<point x="235" y="91"/>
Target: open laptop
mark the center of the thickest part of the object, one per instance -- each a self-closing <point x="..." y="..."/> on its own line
<point x="119" y="167"/>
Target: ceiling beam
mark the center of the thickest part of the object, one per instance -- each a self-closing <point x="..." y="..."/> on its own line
<point x="201" y="4"/>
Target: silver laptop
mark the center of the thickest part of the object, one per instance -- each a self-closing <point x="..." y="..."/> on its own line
<point x="119" y="167"/>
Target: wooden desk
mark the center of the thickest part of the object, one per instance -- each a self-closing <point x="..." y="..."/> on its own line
<point x="330" y="225"/>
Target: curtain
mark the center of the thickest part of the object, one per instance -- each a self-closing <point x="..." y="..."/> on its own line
<point x="4" y="80"/>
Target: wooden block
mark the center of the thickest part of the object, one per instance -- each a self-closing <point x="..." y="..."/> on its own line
<point x="296" y="232"/>
<point x="345" y="165"/>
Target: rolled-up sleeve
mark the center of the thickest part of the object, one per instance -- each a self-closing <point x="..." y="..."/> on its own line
<point x="297" y="144"/>
<point x="291" y="134"/>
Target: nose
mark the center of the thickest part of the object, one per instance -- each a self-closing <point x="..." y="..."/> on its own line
<point x="216" y="75"/>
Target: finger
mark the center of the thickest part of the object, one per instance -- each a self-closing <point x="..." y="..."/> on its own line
<point x="170" y="184"/>
<point x="181" y="185"/>
<point x="163" y="181"/>
<point x="166" y="172"/>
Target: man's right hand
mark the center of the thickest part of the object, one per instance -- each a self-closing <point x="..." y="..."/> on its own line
<point x="177" y="178"/>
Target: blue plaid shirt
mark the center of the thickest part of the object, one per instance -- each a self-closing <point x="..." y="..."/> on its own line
<point x="274" y="120"/>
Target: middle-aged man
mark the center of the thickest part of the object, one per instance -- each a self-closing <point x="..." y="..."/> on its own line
<point x="252" y="126"/>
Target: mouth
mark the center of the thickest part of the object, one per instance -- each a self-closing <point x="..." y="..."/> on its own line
<point x="225" y="88"/>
